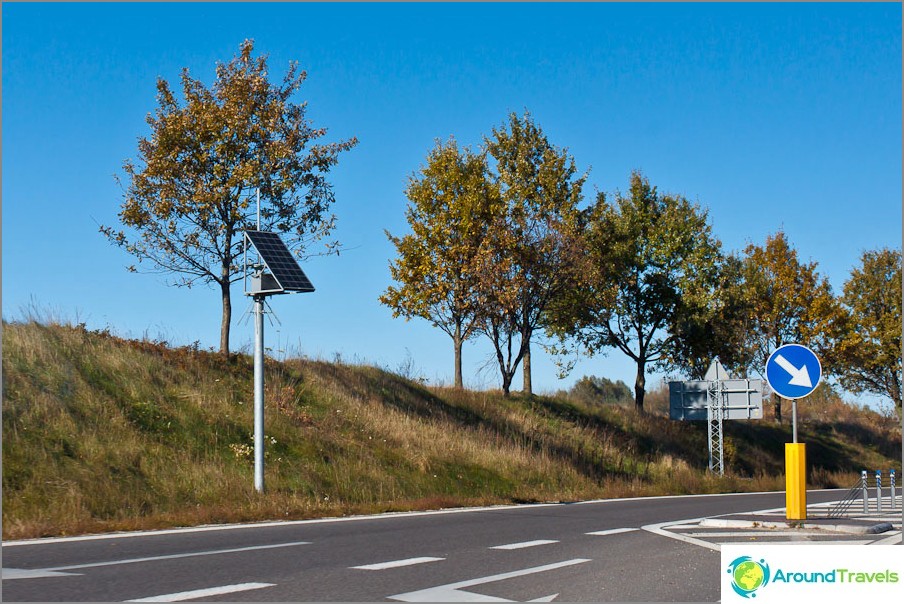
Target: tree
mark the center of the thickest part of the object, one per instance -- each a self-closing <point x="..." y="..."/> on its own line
<point x="187" y="197"/>
<point x="529" y="259"/>
<point x="650" y="255"/>
<point x="789" y="302"/>
<point x="867" y="355"/>
<point x="711" y="322"/>
<point x="452" y="203"/>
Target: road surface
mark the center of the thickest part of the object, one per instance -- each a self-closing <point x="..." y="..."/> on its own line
<point x="591" y="551"/>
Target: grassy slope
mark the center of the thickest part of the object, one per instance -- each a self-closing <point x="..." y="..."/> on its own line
<point x="101" y="433"/>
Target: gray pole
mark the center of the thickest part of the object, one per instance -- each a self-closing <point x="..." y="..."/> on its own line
<point x="259" y="394"/>
<point x="865" y="490"/>
<point x="878" y="490"/>
<point x="794" y="419"/>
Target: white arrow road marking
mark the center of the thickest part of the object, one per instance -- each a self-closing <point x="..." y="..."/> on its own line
<point x="397" y="563"/>
<point x="524" y="544"/>
<point x="204" y="593"/>
<point x="611" y="532"/>
<point x="23" y="573"/>
<point x="799" y="377"/>
<point x="453" y="591"/>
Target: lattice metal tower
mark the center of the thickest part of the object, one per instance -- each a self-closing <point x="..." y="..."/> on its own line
<point x="714" y="417"/>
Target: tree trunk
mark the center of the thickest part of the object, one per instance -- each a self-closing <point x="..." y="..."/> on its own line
<point x="777" y="407"/>
<point x="227" y="316"/>
<point x="528" y="388"/>
<point x="506" y="384"/>
<point x="639" y="386"/>
<point x="459" y="382"/>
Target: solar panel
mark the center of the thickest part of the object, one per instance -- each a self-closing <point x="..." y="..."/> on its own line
<point x="279" y="261"/>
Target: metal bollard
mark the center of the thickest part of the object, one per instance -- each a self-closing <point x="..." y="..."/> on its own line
<point x="891" y="488"/>
<point x="878" y="490"/>
<point x="865" y="492"/>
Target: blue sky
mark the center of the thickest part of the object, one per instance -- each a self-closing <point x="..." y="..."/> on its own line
<point x="773" y="116"/>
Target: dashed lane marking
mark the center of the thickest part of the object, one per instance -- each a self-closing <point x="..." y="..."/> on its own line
<point x="612" y="532"/>
<point x="397" y="563"/>
<point x="204" y="593"/>
<point x="525" y="544"/>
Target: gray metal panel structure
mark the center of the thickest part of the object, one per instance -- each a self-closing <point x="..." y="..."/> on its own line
<point x="279" y="261"/>
<point x="741" y="399"/>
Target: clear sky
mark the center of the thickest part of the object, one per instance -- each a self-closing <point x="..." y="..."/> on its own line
<point x="773" y="116"/>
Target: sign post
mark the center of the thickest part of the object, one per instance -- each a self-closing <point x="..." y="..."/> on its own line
<point x="793" y="371"/>
<point x="716" y="398"/>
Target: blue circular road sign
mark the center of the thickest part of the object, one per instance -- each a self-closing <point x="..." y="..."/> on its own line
<point x="793" y="371"/>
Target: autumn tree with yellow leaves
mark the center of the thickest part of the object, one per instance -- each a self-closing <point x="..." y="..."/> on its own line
<point x="866" y="355"/>
<point x="532" y="256"/>
<point x="452" y="205"/>
<point x="788" y="301"/>
<point x="188" y="196"/>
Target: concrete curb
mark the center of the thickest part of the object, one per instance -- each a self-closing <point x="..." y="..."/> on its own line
<point x="874" y="529"/>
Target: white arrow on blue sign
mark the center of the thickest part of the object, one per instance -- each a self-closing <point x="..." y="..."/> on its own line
<point x="793" y="371"/>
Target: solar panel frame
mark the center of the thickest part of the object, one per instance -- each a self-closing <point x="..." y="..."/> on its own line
<point x="280" y="261"/>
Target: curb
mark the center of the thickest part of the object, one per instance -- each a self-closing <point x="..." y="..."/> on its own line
<point x="874" y="529"/>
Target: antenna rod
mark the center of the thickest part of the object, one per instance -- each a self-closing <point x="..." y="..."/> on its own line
<point x="258" y="208"/>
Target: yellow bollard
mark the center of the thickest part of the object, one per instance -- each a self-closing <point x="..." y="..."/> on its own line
<point x="795" y="481"/>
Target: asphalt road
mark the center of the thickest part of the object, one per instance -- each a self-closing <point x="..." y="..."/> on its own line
<point x="594" y="551"/>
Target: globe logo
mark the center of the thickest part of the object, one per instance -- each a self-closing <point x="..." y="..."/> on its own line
<point x="748" y="575"/>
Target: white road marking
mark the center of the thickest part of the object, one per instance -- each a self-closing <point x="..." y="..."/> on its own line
<point x="397" y="563"/>
<point x="23" y="573"/>
<point x="452" y="591"/>
<point x="176" y="556"/>
<point x="611" y="532"/>
<point x="525" y="544"/>
<point x="204" y="593"/>
<point x="658" y="529"/>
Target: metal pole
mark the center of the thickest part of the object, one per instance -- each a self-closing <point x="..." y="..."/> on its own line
<point x="259" y="394"/>
<point x="794" y="419"/>
<point x="878" y="490"/>
<point x="891" y="488"/>
<point x="865" y="492"/>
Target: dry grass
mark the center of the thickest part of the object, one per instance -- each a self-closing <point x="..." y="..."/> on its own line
<point x="102" y="433"/>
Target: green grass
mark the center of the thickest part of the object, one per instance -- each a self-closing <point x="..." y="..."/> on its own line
<point x="102" y="433"/>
